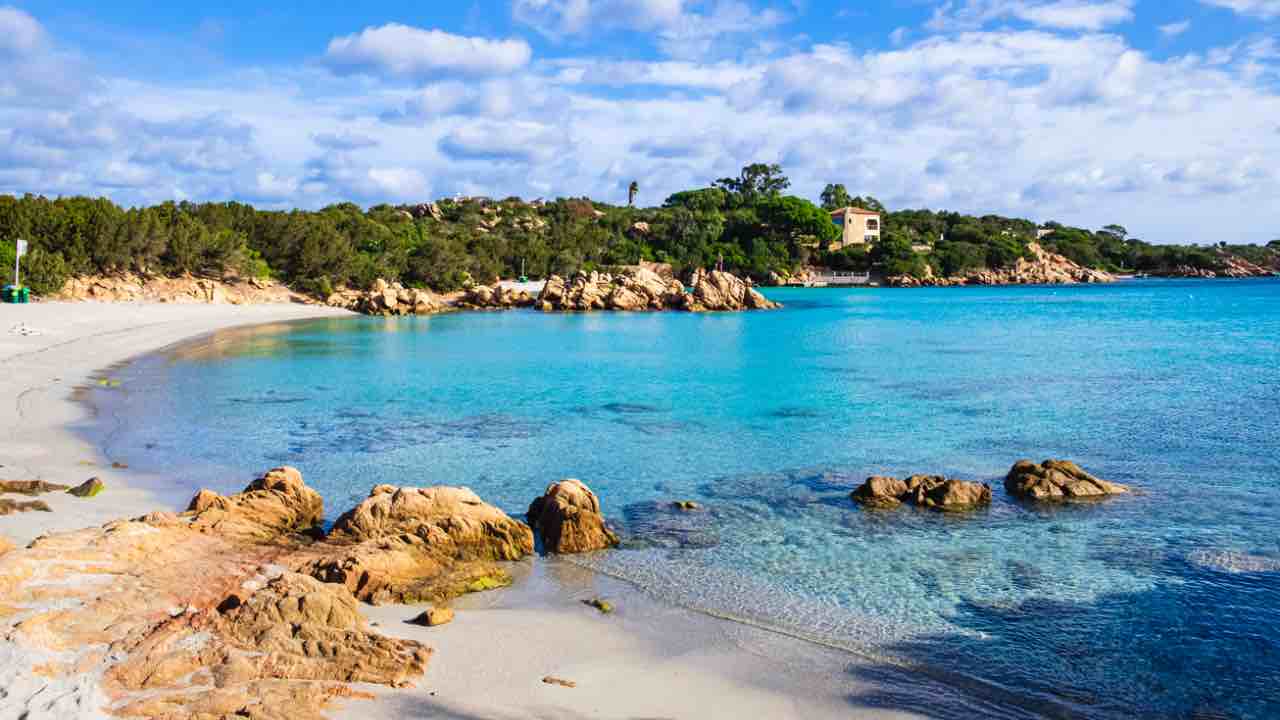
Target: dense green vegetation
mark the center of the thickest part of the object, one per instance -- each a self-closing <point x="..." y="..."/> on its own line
<point x="748" y="222"/>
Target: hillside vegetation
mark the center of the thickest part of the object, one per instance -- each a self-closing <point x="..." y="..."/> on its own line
<point x="749" y="222"/>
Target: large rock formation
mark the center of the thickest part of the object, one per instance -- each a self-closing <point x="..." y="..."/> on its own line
<point x="718" y="290"/>
<point x="1057" y="480"/>
<point x="129" y="287"/>
<point x="277" y="503"/>
<point x="194" y="616"/>
<point x="1040" y="268"/>
<point x="385" y="298"/>
<point x="641" y="288"/>
<point x="568" y="520"/>
<point x="926" y="491"/>
<point x="419" y="544"/>
<point x="494" y="297"/>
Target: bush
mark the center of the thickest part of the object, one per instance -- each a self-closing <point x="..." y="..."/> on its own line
<point x="44" y="272"/>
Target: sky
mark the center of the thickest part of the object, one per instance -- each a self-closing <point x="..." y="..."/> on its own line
<point x="1160" y="115"/>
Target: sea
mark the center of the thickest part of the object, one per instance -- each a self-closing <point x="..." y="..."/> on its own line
<point x="1164" y="603"/>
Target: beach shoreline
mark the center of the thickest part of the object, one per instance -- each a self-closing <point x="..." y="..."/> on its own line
<point x="649" y="658"/>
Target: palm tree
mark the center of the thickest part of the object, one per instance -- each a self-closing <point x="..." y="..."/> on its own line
<point x="631" y="193"/>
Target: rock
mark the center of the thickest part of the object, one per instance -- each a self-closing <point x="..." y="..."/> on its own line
<point x="496" y="297"/>
<point x="644" y="287"/>
<point x="30" y="487"/>
<point x="686" y="505"/>
<point x="385" y="298"/>
<point x="279" y="502"/>
<point x="127" y="287"/>
<point x="881" y="492"/>
<point x="420" y="544"/>
<point x="926" y="491"/>
<point x="604" y="606"/>
<point x="568" y="519"/>
<point x="89" y="488"/>
<point x="5" y="545"/>
<point x="432" y="617"/>
<point x="1057" y="480"/>
<point x="553" y="680"/>
<point x="1234" y="562"/>
<point x="10" y="507"/>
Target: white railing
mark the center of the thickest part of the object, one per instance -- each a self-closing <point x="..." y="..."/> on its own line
<point x="841" y="278"/>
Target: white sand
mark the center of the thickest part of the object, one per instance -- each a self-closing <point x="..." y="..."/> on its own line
<point x="47" y="350"/>
<point x="646" y="660"/>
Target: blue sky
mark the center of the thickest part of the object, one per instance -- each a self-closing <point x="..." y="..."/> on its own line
<point x="1162" y="115"/>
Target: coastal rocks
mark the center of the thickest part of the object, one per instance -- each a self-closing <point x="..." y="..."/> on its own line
<point x="129" y="287"/>
<point x="495" y="297"/>
<point x="434" y="617"/>
<point x="5" y="545"/>
<point x="720" y="291"/>
<point x="172" y="616"/>
<point x="417" y="544"/>
<point x="30" y="487"/>
<point x="1057" y="480"/>
<point x="388" y="299"/>
<point x="1041" y="267"/>
<point x="277" y="503"/>
<point x="643" y="288"/>
<point x="926" y="491"/>
<point x="10" y="507"/>
<point x="568" y="520"/>
<point x="89" y="488"/>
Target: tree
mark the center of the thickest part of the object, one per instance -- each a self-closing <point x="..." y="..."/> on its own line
<point x="791" y="219"/>
<point x="868" y="203"/>
<point x="632" y="191"/>
<point x="835" y="197"/>
<point x="1116" y="231"/>
<point x="756" y="181"/>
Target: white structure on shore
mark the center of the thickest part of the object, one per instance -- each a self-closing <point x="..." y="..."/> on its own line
<point x="857" y="227"/>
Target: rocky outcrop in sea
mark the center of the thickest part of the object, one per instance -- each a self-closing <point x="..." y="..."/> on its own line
<point x="642" y="289"/>
<point x="567" y="519"/>
<point x="1057" y="480"/>
<point x="494" y="297"/>
<point x="926" y="491"/>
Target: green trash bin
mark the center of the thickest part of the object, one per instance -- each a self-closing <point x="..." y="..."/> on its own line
<point x="14" y="294"/>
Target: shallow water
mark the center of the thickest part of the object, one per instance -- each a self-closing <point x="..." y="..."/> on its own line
<point x="1162" y="604"/>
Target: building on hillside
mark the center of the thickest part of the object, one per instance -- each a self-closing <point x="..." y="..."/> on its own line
<point x="857" y="227"/>
<point x="1042" y="233"/>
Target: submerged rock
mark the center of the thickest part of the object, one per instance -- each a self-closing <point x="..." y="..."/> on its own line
<point x="89" y="488"/>
<point x="568" y="519"/>
<point x="1234" y="562"/>
<point x="926" y="491"/>
<point x="1057" y="480"/>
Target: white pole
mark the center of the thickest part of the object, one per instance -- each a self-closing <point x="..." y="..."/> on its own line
<point x="17" y="258"/>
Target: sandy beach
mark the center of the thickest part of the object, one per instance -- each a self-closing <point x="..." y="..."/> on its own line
<point x="647" y="659"/>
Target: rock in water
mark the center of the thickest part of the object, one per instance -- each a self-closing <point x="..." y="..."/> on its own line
<point x="567" y="518"/>
<point x="420" y="544"/>
<point x="433" y="617"/>
<point x="89" y="488"/>
<point x="926" y="491"/>
<point x="1057" y="480"/>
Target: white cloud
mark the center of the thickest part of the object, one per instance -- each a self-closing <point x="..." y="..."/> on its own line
<point x="344" y="140"/>
<point x="20" y="34"/>
<point x="1175" y="29"/>
<point x="1265" y="9"/>
<point x="403" y="51"/>
<point x="1058" y="14"/>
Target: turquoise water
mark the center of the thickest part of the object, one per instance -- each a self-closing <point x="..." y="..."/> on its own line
<point x="1161" y="604"/>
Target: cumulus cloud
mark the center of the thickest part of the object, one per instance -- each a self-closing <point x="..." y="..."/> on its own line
<point x="344" y="140"/>
<point x="409" y="52"/>
<point x="1175" y="29"/>
<point x="20" y="34"/>
<point x="1265" y="9"/>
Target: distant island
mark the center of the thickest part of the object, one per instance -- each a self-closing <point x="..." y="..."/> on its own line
<point x="746" y="225"/>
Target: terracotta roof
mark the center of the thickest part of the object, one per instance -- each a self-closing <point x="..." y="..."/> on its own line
<point x="854" y="210"/>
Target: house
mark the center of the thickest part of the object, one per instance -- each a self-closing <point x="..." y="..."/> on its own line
<point x="857" y="227"/>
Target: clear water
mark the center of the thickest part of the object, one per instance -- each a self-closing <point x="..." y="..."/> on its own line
<point x="1162" y="604"/>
